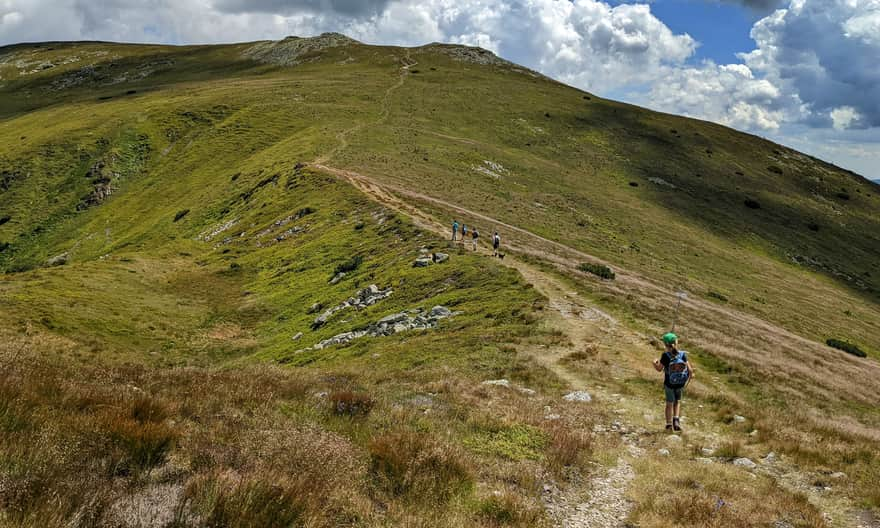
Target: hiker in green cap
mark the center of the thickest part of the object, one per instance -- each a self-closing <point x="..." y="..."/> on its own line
<point x="677" y="372"/>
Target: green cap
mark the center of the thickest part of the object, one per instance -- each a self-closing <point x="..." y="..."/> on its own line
<point x="670" y="338"/>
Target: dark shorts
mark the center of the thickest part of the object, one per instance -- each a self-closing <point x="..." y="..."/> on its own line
<point x="673" y="395"/>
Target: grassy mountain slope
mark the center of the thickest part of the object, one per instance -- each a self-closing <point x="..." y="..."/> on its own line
<point x="166" y="229"/>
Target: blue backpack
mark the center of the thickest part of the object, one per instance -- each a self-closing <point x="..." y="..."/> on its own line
<point x="677" y="373"/>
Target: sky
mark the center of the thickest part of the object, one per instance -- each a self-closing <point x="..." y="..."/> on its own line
<point x="804" y="73"/>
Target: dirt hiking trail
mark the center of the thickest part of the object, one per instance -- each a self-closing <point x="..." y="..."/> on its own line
<point x="600" y="501"/>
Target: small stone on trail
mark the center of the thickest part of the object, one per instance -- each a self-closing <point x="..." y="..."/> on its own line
<point x="578" y="396"/>
<point x="739" y="419"/>
<point x="744" y="462"/>
<point x="553" y="417"/>
<point x="837" y="475"/>
<point x="663" y="452"/>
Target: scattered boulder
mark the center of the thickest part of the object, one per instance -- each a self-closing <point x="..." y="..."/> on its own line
<point x="423" y="262"/>
<point x="578" y="396"/>
<point x="338" y="277"/>
<point x="744" y="462"/>
<point x="393" y="318"/>
<point x="439" y="258"/>
<point x="440" y="311"/>
<point x="59" y="260"/>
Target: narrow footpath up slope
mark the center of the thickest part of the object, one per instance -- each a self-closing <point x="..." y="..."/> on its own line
<point x="606" y="499"/>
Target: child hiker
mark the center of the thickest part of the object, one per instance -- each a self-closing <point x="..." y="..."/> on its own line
<point x="677" y="372"/>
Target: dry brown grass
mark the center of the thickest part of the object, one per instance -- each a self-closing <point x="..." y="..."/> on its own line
<point x="419" y="468"/>
<point x="718" y="495"/>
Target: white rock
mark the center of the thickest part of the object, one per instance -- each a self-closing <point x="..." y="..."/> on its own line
<point x="498" y="383"/>
<point x="708" y="452"/>
<point x="663" y="452"/>
<point x="578" y="396"/>
<point x="298" y="336"/>
<point x="838" y="475"/>
<point x="526" y="391"/>
<point x="704" y="460"/>
<point x="739" y="419"/>
<point x="553" y="417"/>
<point x="744" y="462"/>
<point x="673" y="439"/>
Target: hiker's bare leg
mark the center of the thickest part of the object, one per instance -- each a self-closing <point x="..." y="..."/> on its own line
<point x="669" y="409"/>
<point x="677" y="409"/>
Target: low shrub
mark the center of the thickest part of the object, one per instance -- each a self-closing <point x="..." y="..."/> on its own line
<point x="181" y="214"/>
<point x="349" y="265"/>
<point x="305" y="211"/>
<point x="846" y="346"/>
<point x="842" y="195"/>
<point x="418" y="468"/>
<point x="752" y="204"/>
<point x="774" y="169"/>
<point x="633" y="184"/>
<point x="600" y="270"/>
<point x="718" y="296"/>
<point x="4" y="219"/>
<point x="348" y="403"/>
<point x="813" y="226"/>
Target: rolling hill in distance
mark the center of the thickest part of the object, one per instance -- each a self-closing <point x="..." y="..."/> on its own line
<point x="218" y="305"/>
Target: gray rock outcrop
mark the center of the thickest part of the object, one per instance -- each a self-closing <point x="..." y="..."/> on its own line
<point x="363" y="298"/>
<point x="390" y="325"/>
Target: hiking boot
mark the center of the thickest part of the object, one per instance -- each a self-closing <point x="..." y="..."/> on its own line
<point x="669" y="427"/>
<point x="676" y="425"/>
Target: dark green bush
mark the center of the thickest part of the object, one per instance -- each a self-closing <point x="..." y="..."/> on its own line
<point x="181" y="214"/>
<point x="846" y="347"/>
<point x="774" y="169"/>
<point x="716" y="295"/>
<point x="600" y="270"/>
<point x="752" y="204"/>
<point x="349" y="265"/>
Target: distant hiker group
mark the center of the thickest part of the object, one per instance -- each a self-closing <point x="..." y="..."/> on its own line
<point x="475" y="236"/>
